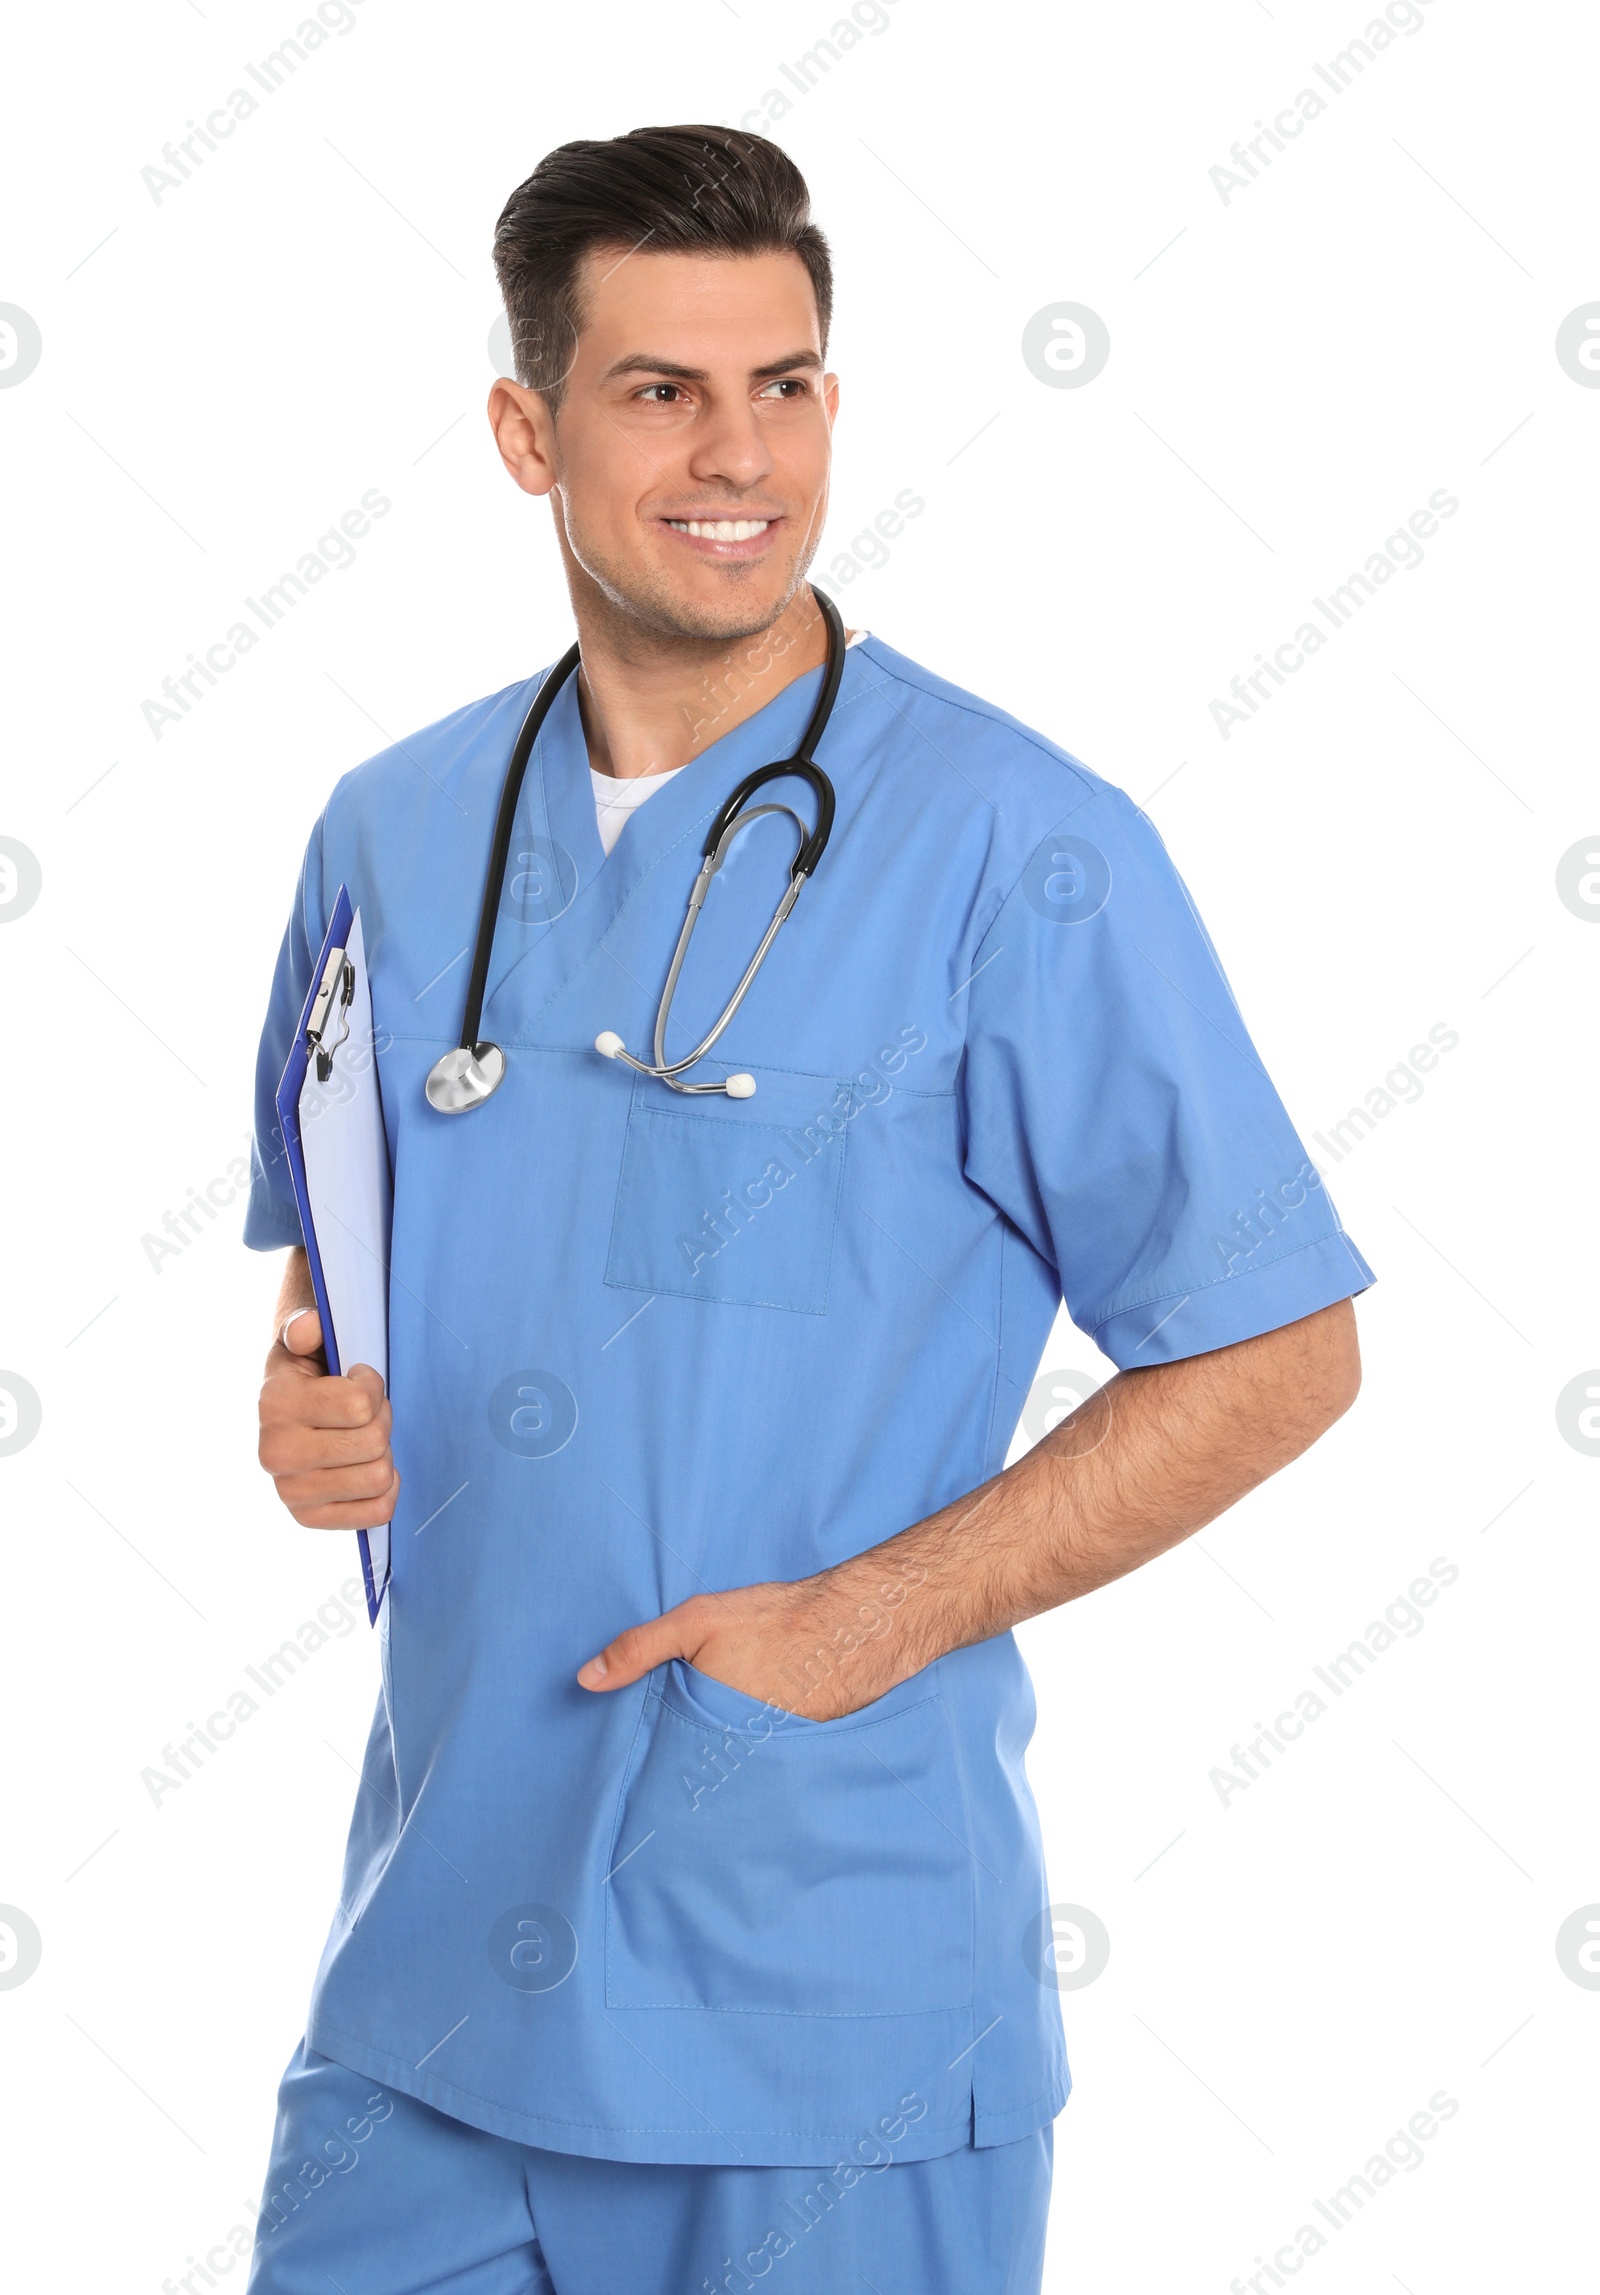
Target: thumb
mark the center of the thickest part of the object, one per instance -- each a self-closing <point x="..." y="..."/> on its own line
<point x="634" y="1653"/>
<point x="302" y="1332"/>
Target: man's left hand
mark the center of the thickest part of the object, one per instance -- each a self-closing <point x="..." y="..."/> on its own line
<point x="812" y="1648"/>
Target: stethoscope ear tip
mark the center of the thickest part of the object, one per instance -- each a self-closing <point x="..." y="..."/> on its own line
<point x="740" y="1087"/>
<point x="608" y="1044"/>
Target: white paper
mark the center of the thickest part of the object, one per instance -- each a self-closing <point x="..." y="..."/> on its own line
<point x="347" y="1179"/>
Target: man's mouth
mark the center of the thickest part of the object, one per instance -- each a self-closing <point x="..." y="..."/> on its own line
<point x="720" y="529"/>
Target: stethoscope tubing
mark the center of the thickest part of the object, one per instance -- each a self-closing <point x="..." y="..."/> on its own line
<point x="666" y="1070"/>
<point x="500" y="849"/>
<point x="729" y="819"/>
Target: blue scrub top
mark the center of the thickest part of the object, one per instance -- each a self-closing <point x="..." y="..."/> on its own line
<point x="643" y="1347"/>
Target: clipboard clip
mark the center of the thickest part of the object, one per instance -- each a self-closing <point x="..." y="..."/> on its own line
<point x="335" y="991"/>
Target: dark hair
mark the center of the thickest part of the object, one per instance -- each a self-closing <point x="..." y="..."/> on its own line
<point x="673" y="190"/>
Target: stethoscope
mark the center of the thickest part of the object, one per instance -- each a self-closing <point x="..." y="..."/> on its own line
<point x="464" y="1078"/>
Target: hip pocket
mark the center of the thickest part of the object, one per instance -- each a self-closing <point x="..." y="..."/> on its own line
<point x="732" y="1200"/>
<point x="790" y="1867"/>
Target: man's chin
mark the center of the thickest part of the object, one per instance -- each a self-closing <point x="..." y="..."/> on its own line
<point x="729" y="620"/>
<point x="723" y="629"/>
<point x="743" y="603"/>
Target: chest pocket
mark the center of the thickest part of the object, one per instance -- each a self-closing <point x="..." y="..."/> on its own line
<point x="732" y="1200"/>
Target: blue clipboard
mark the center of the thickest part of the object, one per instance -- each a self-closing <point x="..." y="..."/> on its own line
<point x="331" y="1113"/>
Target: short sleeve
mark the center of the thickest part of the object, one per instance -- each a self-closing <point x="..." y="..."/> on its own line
<point x="1119" y="1116"/>
<point x="272" y="1219"/>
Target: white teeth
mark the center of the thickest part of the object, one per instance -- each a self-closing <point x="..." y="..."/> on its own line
<point x="721" y="529"/>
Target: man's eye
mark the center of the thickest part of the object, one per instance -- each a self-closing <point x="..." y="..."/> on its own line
<point x="661" y="393"/>
<point x="786" y="386"/>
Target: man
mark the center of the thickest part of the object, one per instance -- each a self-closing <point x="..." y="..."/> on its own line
<point x="694" y="1915"/>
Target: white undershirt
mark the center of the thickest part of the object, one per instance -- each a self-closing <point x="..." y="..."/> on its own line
<point x="616" y="801"/>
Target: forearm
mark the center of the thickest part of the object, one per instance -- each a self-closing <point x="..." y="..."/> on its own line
<point x="1153" y="1456"/>
<point x="1150" y="1459"/>
<point x="295" y="1291"/>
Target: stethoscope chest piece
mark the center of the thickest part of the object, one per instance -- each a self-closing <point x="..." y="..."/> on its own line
<point x="465" y="1078"/>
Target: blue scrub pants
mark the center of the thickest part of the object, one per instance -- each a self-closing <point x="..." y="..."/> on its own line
<point x="372" y="2193"/>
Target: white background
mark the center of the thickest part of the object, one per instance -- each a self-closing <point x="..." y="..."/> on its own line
<point x="1292" y="373"/>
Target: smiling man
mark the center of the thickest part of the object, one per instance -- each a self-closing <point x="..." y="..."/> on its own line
<point x="694" y="1923"/>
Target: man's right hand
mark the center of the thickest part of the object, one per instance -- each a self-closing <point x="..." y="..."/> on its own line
<point x="325" y="1441"/>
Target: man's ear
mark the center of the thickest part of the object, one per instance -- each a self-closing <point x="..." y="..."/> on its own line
<point x="524" y="430"/>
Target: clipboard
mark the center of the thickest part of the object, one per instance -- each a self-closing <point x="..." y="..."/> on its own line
<point x="331" y="1113"/>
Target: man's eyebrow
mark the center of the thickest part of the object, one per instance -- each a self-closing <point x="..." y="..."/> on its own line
<point x="643" y="363"/>
<point x="807" y="359"/>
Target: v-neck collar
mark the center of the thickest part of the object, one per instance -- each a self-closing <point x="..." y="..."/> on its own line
<point x="561" y="759"/>
<point x="666" y="831"/>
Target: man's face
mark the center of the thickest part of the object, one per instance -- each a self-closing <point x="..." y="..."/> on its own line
<point x="692" y="445"/>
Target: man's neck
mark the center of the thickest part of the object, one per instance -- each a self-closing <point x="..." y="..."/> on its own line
<point x="649" y="705"/>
